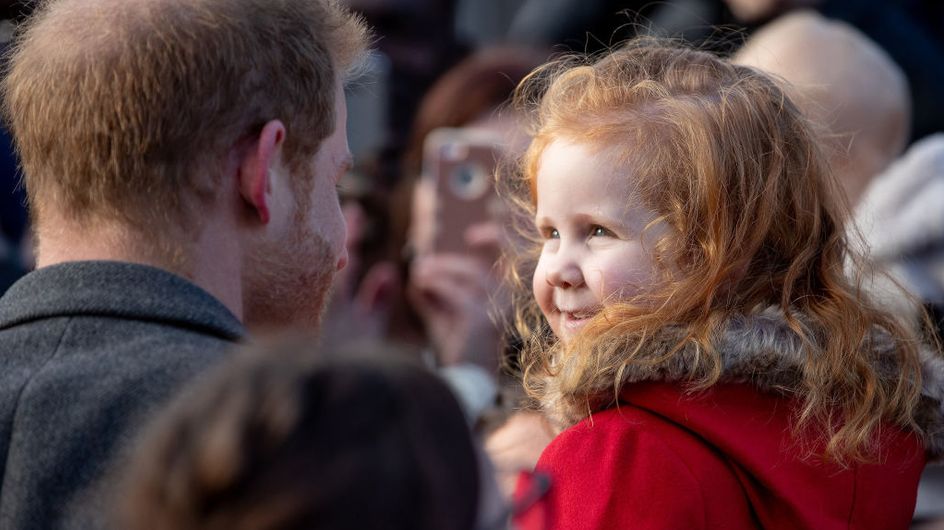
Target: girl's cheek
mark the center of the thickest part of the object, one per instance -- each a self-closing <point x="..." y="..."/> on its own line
<point x="542" y="292"/>
<point x="537" y="290"/>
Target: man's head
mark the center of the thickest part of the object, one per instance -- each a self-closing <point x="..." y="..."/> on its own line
<point x="138" y="114"/>
<point x="842" y="81"/>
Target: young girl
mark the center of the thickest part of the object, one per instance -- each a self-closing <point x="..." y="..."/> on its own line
<point x="694" y="326"/>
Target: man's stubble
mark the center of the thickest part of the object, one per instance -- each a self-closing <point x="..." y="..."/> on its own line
<point x="287" y="283"/>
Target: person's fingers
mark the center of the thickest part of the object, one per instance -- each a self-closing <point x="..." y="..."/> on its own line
<point x="486" y="236"/>
<point x="443" y="294"/>
<point x="461" y="268"/>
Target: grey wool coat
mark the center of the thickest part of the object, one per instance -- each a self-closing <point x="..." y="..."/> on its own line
<point x="88" y="352"/>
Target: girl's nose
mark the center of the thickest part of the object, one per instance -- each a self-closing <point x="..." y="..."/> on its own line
<point x="564" y="273"/>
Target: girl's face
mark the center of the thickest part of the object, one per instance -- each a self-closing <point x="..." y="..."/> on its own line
<point x="591" y="224"/>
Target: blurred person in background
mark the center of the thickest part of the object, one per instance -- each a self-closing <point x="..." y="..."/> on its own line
<point x="173" y="205"/>
<point x="285" y="437"/>
<point x="911" y="32"/>
<point x="450" y="291"/>
<point x="845" y="84"/>
<point x="470" y="94"/>
<point x="459" y="297"/>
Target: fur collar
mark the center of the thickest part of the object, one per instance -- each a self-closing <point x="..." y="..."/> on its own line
<point x="761" y="350"/>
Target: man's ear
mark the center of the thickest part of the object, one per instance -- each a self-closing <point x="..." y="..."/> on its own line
<point x="258" y="160"/>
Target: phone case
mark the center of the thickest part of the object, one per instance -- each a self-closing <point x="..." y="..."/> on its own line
<point x="462" y="163"/>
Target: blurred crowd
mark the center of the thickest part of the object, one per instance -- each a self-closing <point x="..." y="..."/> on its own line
<point x="410" y="411"/>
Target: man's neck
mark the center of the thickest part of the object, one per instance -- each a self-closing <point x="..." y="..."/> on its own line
<point x="212" y="263"/>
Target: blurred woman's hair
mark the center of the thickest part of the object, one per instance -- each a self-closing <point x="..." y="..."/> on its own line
<point x="472" y="90"/>
<point x="755" y="222"/>
<point x="284" y="437"/>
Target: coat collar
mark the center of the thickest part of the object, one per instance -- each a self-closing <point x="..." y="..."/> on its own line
<point x="118" y="290"/>
<point x="761" y="350"/>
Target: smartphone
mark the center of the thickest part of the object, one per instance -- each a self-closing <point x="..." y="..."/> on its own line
<point x="462" y="164"/>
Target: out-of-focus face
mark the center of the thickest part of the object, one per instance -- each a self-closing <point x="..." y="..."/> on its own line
<point x="756" y="10"/>
<point x="289" y="275"/>
<point x="592" y="227"/>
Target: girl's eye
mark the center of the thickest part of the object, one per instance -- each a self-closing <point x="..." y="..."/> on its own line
<point x="553" y="234"/>
<point x="599" y="231"/>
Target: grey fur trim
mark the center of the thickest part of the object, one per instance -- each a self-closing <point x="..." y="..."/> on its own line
<point x="762" y="350"/>
<point x="932" y="417"/>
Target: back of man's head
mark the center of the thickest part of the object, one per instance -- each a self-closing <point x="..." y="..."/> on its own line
<point x="124" y="111"/>
<point x="842" y="81"/>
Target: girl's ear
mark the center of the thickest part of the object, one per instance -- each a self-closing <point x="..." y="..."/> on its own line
<point x="255" y="166"/>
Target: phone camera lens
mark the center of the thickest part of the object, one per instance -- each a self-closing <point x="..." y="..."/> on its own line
<point x="469" y="181"/>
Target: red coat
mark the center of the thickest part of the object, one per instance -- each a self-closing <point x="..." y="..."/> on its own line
<point x="721" y="459"/>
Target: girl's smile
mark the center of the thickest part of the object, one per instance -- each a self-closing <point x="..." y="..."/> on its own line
<point x="573" y="321"/>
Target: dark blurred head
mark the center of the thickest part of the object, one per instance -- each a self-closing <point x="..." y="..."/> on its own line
<point x="845" y="83"/>
<point x="283" y="438"/>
